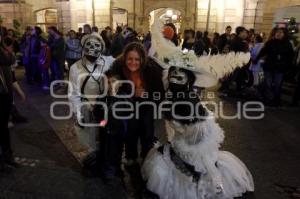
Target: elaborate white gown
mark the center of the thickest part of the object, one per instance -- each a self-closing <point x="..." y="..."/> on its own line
<point x="221" y="174"/>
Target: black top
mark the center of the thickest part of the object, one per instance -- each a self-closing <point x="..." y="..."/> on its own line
<point x="239" y="45"/>
<point x="278" y="55"/>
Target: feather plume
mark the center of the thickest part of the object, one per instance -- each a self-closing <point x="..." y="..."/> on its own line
<point x="208" y="69"/>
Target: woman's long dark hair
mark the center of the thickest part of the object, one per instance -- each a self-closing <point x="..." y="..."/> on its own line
<point x="276" y="29"/>
<point x="139" y="48"/>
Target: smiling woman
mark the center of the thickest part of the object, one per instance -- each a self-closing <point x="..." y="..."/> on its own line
<point x="145" y="75"/>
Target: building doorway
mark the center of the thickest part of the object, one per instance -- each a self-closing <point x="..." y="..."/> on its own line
<point x="46" y="18"/>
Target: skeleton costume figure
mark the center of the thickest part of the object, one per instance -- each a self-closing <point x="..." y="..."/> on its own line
<point x="191" y="166"/>
<point x="86" y="79"/>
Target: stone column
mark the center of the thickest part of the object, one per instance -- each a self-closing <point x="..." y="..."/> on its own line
<point x="250" y="13"/>
<point x="220" y="17"/>
<point x="102" y="13"/>
<point x="131" y="19"/>
<point x="63" y="16"/>
<point x="240" y="11"/>
<point x="202" y="8"/>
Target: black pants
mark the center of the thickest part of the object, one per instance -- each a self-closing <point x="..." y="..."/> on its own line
<point x="111" y="147"/>
<point x="143" y="128"/>
<point x="5" y="108"/>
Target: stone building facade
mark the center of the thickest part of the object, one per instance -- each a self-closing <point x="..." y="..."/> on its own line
<point x="213" y="15"/>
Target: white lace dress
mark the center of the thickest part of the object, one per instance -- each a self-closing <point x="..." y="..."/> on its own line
<point x="221" y="175"/>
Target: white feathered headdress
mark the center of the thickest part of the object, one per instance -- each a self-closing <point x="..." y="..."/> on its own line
<point x="208" y="69"/>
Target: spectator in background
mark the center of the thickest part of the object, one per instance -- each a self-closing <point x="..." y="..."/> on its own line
<point x="129" y="36"/>
<point x="241" y="76"/>
<point x="207" y="42"/>
<point x="57" y="54"/>
<point x="32" y="72"/>
<point x="189" y="40"/>
<point x="256" y="68"/>
<point x="109" y="32"/>
<point x="117" y="44"/>
<point x="147" y="42"/>
<point x="107" y="41"/>
<point x="44" y="63"/>
<point x="73" y="48"/>
<point x="224" y="38"/>
<point x="24" y="47"/>
<point x="240" y="43"/>
<point x="11" y="34"/>
<point x="251" y="38"/>
<point x="168" y="33"/>
<point x="232" y="37"/>
<point x="199" y="44"/>
<point x="174" y="39"/>
<point x="79" y="33"/>
<point x="279" y="54"/>
<point x="86" y="29"/>
<point x="214" y="44"/>
<point x="95" y="29"/>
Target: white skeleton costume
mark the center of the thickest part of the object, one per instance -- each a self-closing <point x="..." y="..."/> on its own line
<point x="86" y="79"/>
<point x="192" y="166"/>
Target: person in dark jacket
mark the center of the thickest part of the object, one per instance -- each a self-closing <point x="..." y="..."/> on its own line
<point x="6" y="100"/>
<point x="129" y="36"/>
<point x="278" y="53"/>
<point x="145" y="75"/>
<point x="117" y="44"/>
<point x="207" y="42"/>
<point x="199" y="45"/>
<point x="44" y="63"/>
<point x="57" y="46"/>
<point x="189" y="40"/>
<point x="239" y="75"/>
<point x="32" y="72"/>
<point x="104" y="34"/>
<point x="224" y="38"/>
<point x="239" y="43"/>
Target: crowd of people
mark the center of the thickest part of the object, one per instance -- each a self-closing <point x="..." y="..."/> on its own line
<point x="50" y="58"/>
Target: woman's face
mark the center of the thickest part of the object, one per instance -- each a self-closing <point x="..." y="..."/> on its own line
<point x="279" y="34"/>
<point x="133" y="61"/>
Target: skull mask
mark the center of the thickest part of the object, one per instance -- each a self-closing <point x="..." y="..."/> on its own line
<point x="93" y="47"/>
<point x="180" y="79"/>
<point x="178" y="76"/>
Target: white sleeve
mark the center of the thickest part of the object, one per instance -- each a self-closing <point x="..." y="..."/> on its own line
<point x="108" y="62"/>
<point x="74" y="91"/>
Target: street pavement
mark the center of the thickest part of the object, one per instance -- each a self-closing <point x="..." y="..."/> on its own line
<point x="270" y="147"/>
